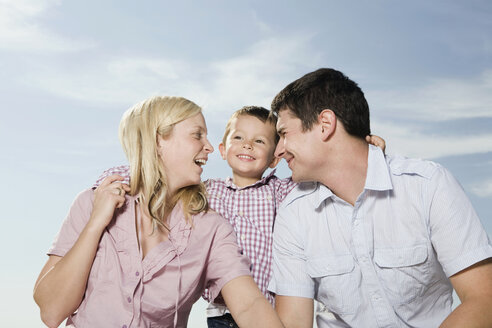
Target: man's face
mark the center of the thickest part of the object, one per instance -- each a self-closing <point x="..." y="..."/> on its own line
<point x="297" y="147"/>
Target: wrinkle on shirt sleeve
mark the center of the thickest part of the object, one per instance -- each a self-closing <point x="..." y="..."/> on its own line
<point x="74" y="223"/>
<point x="289" y="268"/>
<point x="452" y="221"/>
<point x="226" y="260"/>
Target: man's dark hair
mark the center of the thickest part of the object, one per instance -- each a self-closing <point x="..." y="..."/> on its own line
<point x="326" y="88"/>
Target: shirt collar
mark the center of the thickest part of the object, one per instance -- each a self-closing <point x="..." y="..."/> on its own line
<point x="230" y="184"/>
<point x="378" y="176"/>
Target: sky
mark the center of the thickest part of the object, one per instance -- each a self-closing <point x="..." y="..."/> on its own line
<point x="69" y="69"/>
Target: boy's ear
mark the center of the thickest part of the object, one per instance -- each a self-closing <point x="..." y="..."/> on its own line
<point x="327" y="123"/>
<point x="222" y="150"/>
<point x="274" y="162"/>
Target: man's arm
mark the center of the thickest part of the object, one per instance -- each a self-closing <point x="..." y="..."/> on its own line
<point x="474" y="288"/>
<point x="295" y="311"/>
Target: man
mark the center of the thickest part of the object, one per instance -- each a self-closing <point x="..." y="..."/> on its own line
<point x="380" y="241"/>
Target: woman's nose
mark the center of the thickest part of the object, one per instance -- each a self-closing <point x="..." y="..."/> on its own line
<point x="208" y="146"/>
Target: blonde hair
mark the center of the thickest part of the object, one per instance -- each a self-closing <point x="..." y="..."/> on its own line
<point x="139" y="128"/>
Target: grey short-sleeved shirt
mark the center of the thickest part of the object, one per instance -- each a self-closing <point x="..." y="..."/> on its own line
<point x="384" y="262"/>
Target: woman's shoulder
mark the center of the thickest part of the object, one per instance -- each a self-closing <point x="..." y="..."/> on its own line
<point x="211" y="220"/>
<point x="84" y="198"/>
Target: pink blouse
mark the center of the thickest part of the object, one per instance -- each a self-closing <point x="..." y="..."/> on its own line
<point x="125" y="291"/>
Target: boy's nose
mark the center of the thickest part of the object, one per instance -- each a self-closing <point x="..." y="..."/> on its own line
<point x="247" y="145"/>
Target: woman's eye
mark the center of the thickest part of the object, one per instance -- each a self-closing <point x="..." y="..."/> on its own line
<point x="198" y="135"/>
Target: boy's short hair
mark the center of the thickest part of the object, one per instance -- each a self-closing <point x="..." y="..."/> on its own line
<point x="259" y="112"/>
<point x="326" y="88"/>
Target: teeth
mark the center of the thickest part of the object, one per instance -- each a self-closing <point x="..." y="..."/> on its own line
<point x="245" y="157"/>
<point x="200" y="161"/>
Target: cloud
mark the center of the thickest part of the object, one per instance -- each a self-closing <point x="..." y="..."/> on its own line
<point x="403" y="139"/>
<point x="482" y="189"/>
<point x="20" y="29"/>
<point x="256" y="76"/>
<point x="253" y="77"/>
<point x="439" y="99"/>
<point x="111" y="81"/>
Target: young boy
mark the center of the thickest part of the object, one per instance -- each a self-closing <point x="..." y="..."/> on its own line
<point x="248" y="200"/>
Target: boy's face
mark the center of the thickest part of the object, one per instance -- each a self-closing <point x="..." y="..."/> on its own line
<point x="249" y="149"/>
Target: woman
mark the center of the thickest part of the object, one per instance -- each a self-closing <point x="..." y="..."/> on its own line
<point x="140" y="256"/>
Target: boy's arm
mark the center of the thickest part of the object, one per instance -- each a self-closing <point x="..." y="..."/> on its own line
<point x="122" y="170"/>
<point x="377" y="141"/>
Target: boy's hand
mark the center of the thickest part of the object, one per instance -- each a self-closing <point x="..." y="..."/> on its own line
<point x="376" y="141"/>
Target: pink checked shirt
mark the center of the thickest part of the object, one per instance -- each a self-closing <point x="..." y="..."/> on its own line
<point x="124" y="290"/>
<point x="251" y="210"/>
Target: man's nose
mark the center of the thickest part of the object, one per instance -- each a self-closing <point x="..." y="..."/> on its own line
<point x="279" y="150"/>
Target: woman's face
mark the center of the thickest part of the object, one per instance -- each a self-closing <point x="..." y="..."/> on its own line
<point x="184" y="152"/>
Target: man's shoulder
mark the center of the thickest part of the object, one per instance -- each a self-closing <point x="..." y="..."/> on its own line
<point x="300" y="194"/>
<point x="400" y="165"/>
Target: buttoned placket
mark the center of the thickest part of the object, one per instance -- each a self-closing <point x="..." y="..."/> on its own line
<point x="363" y="254"/>
<point x="135" y="275"/>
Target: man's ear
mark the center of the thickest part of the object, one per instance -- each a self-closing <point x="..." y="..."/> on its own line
<point x="222" y="150"/>
<point x="327" y="121"/>
<point x="274" y="162"/>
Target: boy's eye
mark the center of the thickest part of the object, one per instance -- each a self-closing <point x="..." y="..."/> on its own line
<point x="237" y="138"/>
<point x="259" y="141"/>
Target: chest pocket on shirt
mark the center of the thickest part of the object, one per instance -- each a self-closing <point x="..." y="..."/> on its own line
<point x="336" y="282"/>
<point x="404" y="272"/>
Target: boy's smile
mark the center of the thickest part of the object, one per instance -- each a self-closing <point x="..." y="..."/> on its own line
<point x="249" y="149"/>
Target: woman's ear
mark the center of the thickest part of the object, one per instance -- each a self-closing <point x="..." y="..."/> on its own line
<point x="222" y="150"/>
<point x="327" y="121"/>
<point x="159" y="145"/>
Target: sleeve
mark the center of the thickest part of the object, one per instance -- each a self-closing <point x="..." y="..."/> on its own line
<point x="123" y="170"/>
<point x="74" y="223"/>
<point x="226" y="260"/>
<point x="456" y="231"/>
<point x="289" y="268"/>
<point x="282" y="188"/>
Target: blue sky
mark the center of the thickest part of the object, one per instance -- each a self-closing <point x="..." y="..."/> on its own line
<point x="70" y="69"/>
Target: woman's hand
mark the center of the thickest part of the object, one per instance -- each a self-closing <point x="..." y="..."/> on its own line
<point x="109" y="196"/>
